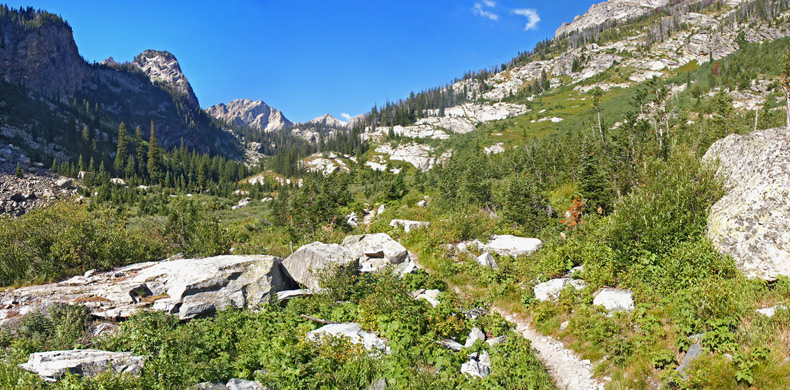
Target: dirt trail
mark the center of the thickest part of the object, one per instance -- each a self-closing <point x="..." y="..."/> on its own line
<point x="567" y="370"/>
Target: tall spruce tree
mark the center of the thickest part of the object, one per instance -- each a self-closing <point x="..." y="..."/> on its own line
<point x="154" y="169"/>
<point x="120" y="154"/>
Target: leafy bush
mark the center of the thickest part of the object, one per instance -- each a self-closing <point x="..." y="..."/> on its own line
<point x="65" y="239"/>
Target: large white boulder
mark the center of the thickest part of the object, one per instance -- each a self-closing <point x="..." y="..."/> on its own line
<point x="507" y="245"/>
<point x="486" y="260"/>
<point x="352" y="332"/>
<point x="308" y="262"/>
<point x="614" y="299"/>
<point x="53" y="365"/>
<point x="751" y="222"/>
<point x="186" y="287"/>
<point x="375" y="251"/>
<point x="551" y="290"/>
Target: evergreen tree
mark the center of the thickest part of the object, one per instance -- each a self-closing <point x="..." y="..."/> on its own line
<point x="120" y="156"/>
<point x="525" y="204"/>
<point x="154" y="169"/>
<point x="593" y="186"/>
<point x="18" y="170"/>
<point x="139" y="151"/>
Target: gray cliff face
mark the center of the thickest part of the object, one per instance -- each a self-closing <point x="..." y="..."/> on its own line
<point x="245" y="112"/>
<point x="45" y="59"/>
<point x="751" y="222"/>
<point x="163" y="67"/>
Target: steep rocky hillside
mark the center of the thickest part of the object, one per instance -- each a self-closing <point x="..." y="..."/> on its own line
<point x="52" y="93"/>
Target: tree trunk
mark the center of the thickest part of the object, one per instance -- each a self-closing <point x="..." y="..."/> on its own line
<point x="600" y="130"/>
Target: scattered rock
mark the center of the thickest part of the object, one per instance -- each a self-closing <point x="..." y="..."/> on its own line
<point x="564" y="325"/>
<point x="375" y="251"/>
<point x="352" y="220"/>
<point x="496" y="340"/>
<point x="423" y="203"/>
<point x="430" y="296"/>
<point x="290" y="294"/>
<point x="306" y="264"/>
<point x="380" y="384"/>
<point x="452" y="345"/>
<point x="479" y="367"/>
<point x="241" y="384"/>
<point x="105" y="329"/>
<point x="694" y="353"/>
<point x="770" y="311"/>
<point x="53" y="365"/>
<point x="486" y="260"/>
<point x="242" y="203"/>
<point x="614" y="299"/>
<point x="353" y="332"/>
<point x="408" y="225"/>
<point x="551" y="290"/>
<point x="118" y="181"/>
<point x="507" y="245"/>
<point x="474" y="335"/>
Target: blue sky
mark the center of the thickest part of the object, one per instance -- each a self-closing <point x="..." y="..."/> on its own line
<point x="308" y="58"/>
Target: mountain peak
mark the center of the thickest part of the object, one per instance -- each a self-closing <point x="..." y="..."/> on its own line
<point x="246" y="112"/>
<point x="327" y="120"/>
<point x="612" y="10"/>
<point x="163" y="67"/>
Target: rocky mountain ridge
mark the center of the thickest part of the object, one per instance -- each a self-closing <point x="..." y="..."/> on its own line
<point x="245" y="112"/>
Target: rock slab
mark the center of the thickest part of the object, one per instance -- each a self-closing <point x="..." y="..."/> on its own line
<point x="187" y="288"/>
<point x="53" y="365"/>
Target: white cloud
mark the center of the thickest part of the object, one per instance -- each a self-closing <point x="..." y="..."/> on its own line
<point x="479" y="11"/>
<point x="532" y="18"/>
<point x="346" y="116"/>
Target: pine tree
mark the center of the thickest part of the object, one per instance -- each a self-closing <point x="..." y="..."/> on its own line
<point x="120" y="155"/>
<point x="139" y="151"/>
<point x="593" y="185"/>
<point x="154" y="170"/>
<point x="18" y="170"/>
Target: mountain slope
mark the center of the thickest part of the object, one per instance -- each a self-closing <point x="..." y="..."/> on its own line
<point x="41" y="63"/>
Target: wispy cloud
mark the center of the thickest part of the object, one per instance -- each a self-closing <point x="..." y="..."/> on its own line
<point x="478" y="10"/>
<point x="532" y="18"/>
<point x="346" y="116"/>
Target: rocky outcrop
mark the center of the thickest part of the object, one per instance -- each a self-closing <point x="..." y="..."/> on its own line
<point x="612" y="10"/>
<point x="751" y="222"/>
<point x="415" y="154"/>
<point x="325" y="163"/>
<point x="308" y="262"/>
<point x="478" y="366"/>
<point x="244" y="112"/>
<point x="187" y="288"/>
<point x="162" y="67"/>
<point x="52" y="366"/>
